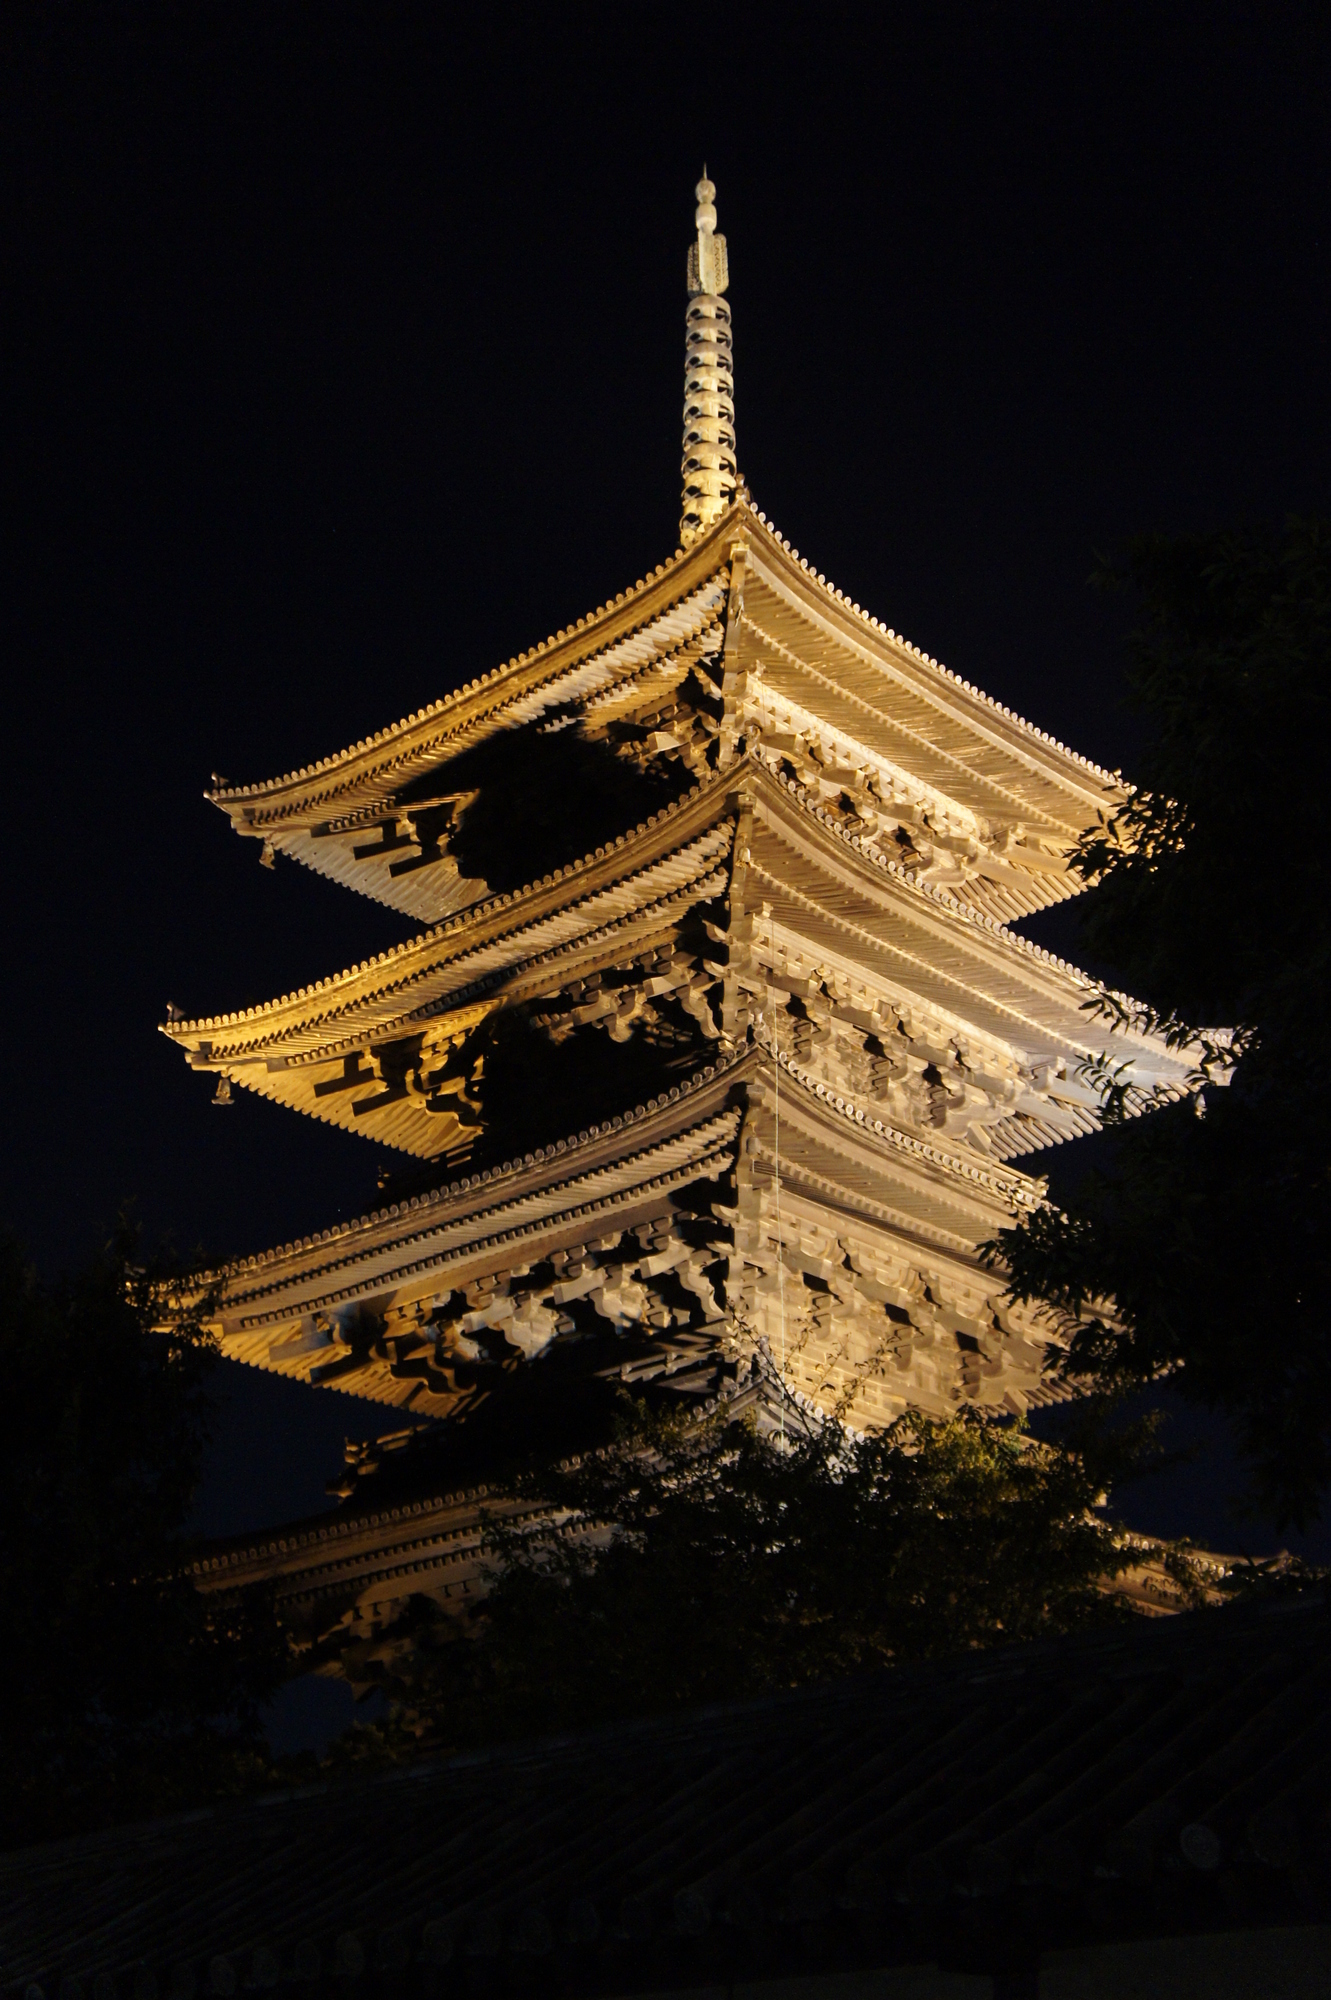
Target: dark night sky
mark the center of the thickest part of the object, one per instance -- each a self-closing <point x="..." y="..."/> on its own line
<point x="342" y="359"/>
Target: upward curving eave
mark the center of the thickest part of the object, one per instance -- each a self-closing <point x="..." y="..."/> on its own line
<point x="303" y="813"/>
<point x="505" y="926"/>
<point x="994" y="747"/>
<point x="941" y="1200"/>
<point x="309" y="1050"/>
<point x="475" y="944"/>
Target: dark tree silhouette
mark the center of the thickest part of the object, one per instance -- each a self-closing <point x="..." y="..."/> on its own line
<point x="123" y="1691"/>
<point x="1211" y="1228"/>
<point x="729" y="1565"/>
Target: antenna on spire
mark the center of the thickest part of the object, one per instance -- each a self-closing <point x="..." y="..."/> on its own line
<point x="710" y="477"/>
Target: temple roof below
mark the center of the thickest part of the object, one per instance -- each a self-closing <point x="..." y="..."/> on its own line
<point x="954" y="1809"/>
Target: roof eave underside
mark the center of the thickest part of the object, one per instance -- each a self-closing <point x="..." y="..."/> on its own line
<point x="513" y="925"/>
<point x="472" y="1217"/>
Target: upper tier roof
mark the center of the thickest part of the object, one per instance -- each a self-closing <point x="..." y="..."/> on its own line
<point x="815" y="672"/>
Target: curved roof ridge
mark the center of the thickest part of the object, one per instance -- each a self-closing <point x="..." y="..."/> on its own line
<point x="228" y="795"/>
<point x="976" y="918"/>
<point x="474" y="913"/>
<point x="491" y="1176"/>
<point x="597" y="1204"/>
<point x="917" y="653"/>
<point x="472" y="992"/>
<point x="307" y="1534"/>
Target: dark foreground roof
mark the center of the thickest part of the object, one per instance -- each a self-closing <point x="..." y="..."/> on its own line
<point x="1168" y="1777"/>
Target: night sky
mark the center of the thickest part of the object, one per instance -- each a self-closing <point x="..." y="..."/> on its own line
<point x="342" y="358"/>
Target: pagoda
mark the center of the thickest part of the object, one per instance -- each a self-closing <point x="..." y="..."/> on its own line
<point x="712" y="1058"/>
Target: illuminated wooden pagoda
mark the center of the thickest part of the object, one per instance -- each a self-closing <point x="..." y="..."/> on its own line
<point x="713" y="1055"/>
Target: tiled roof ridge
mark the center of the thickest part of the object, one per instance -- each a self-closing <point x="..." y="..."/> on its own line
<point x="867" y="1693"/>
<point x="917" y="653"/>
<point x="475" y="913"/>
<point x="226" y="794"/>
<point x="474" y="991"/>
<point x="1011" y="803"/>
<point x="415" y="760"/>
<point x="722" y="1062"/>
<point x="337" y="1525"/>
<point x="282" y="1541"/>
<point x="234" y="793"/>
<point x="366" y="814"/>
<point x="599" y="1205"/>
<point x="1011" y="1183"/>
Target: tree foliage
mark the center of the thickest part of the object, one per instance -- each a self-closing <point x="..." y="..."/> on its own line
<point x="122" y="1690"/>
<point x="1211" y="1228"/>
<point x="728" y="1565"/>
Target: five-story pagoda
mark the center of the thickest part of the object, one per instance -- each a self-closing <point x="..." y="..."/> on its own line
<point x="711" y="1062"/>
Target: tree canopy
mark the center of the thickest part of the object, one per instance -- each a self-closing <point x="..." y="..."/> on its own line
<point x="1210" y="1229"/>
<point x="123" y="1691"/>
<point x="704" y="1561"/>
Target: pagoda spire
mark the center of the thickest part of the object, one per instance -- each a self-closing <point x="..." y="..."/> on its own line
<point x="710" y="478"/>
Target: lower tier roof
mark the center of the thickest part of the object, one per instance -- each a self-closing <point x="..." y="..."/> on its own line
<point x="742" y="1209"/>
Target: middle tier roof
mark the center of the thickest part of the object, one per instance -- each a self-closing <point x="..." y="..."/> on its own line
<point x="943" y="998"/>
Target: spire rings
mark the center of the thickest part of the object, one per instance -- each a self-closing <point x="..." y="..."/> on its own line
<point x="709" y="463"/>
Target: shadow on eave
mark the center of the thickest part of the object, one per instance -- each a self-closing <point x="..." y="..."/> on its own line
<point x="546" y="796"/>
